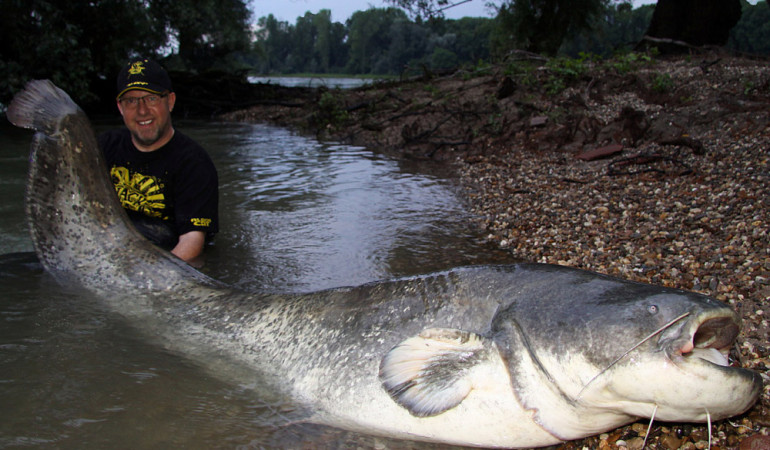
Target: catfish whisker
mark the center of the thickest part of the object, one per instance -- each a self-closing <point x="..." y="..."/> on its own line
<point x="658" y="331"/>
<point x="708" y="421"/>
<point x="649" y="427"/>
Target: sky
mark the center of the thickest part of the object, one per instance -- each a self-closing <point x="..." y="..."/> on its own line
<point x="289" y="10"/>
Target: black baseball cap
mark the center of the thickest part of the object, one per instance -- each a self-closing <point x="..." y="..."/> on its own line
<point x="145" y="75"/>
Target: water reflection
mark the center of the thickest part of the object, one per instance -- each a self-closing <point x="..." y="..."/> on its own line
<point x="300" y="215"/>
<point x="297" y="215"/>
<point x="14" y="159"/>
<point x="313" y="82"/>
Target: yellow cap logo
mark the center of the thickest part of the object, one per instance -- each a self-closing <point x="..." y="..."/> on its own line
<point x="136" y="68"/>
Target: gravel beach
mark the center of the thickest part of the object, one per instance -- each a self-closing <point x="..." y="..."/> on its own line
<point x="688" y="211"/>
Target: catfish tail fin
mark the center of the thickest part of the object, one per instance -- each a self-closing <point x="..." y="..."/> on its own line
<point x="39" y="106"/>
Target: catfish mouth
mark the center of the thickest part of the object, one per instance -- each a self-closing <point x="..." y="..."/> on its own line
<point x="711" y="340"/>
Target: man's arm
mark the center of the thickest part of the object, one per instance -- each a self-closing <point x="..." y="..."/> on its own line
<point x="190" y="247"/>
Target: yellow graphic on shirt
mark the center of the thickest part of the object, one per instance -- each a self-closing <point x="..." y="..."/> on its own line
<point x="140" y="193"/>
<point x="200" y="222"/>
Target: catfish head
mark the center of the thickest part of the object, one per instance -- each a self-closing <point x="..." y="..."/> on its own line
<point x="605" y="352"/>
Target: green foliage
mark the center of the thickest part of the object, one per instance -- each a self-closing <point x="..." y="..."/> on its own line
<point x="748" y="87"/>
<point x="662" y="83"/>
<point x="555" y="85"/>
<point x="564" y="70"/>
<point x="480" y="68"/>
<point x="470" y="37"/>
<point x="66" y="42"/>
<point x="374" y="41"/>
<point x="331" y="111"/>
<point x="422" y="8"/>
<point x="313" y="44"/>
<point x="210" y="33"/>
<point x="752" y="32"/>
<point x="523" y="72"/>
<point x="568" y="68"/>
<point x="443" y="59"/>
<point x="81" y="44"/>
<point x="540" y="26"/>
<point x="495" y="124"/>
<point x="368" y="33"/>
<point x="502" y="39"/>
<point x="407" y="45"/>
<point x="618" y="28"/>
<point x="432" y="90"/>
<point x="628" y="62"/>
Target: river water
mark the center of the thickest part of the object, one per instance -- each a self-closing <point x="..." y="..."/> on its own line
<point x="313" y="82"/>
<point x="296" y="215"/>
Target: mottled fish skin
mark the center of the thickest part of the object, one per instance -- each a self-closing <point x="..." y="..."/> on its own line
<point x="520" y="355"/>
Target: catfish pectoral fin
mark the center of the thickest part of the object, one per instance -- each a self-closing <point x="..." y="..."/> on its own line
<point x="431" y="373"/>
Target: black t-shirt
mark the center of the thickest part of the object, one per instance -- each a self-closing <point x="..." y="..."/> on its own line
<point x="166" y="192"/>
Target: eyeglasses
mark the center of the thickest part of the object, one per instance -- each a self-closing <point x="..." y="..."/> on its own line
<point x="149" y="100"/>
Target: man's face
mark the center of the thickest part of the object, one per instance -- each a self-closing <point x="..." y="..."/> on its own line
<point x="148" y="117"/>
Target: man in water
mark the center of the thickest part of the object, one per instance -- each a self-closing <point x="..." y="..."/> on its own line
<point x="166" y="181"/>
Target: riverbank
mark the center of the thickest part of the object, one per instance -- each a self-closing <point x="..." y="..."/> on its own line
<point x="650" y="169"/>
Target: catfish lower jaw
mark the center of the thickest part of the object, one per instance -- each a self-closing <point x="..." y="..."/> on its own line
<point x="711" y="355"/>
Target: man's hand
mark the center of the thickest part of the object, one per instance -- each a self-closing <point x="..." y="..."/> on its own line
<point x="190" y="248"/>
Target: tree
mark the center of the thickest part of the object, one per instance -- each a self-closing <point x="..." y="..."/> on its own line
<point x="274" y="38"/>
<point x="339" y="48"/>
<point x="313" y="44"/>
<point x="620" y="27"/>
<point x="368" y="36"/>
<point x="539" y="26"/>
<point x="65" y="42"/>
<point x="424" y="8"/>
<point x="408" y="44"/>
<point x="210" y="33"/>
<point x="381" y="41"/>
<point x="303" y="55"/>
<point x="443" y="58"/>
<point x="752" y="33"/>
<point x="694" y="22"/>
<point x="323" y="28"/>
<point x="472" y="41"/>
<point x="81" y="44"/>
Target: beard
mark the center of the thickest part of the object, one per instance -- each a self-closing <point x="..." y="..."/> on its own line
<point x="148" y="137"/>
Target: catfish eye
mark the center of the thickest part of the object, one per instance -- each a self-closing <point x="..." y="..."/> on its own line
<point x="652" y="309"/>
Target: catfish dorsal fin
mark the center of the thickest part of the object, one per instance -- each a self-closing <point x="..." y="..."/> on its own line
<point x="430" y="373"/>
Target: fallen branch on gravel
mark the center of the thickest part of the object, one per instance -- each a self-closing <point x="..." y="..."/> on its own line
<point x="686" y="141"/>
<point x="612" y="168"/>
